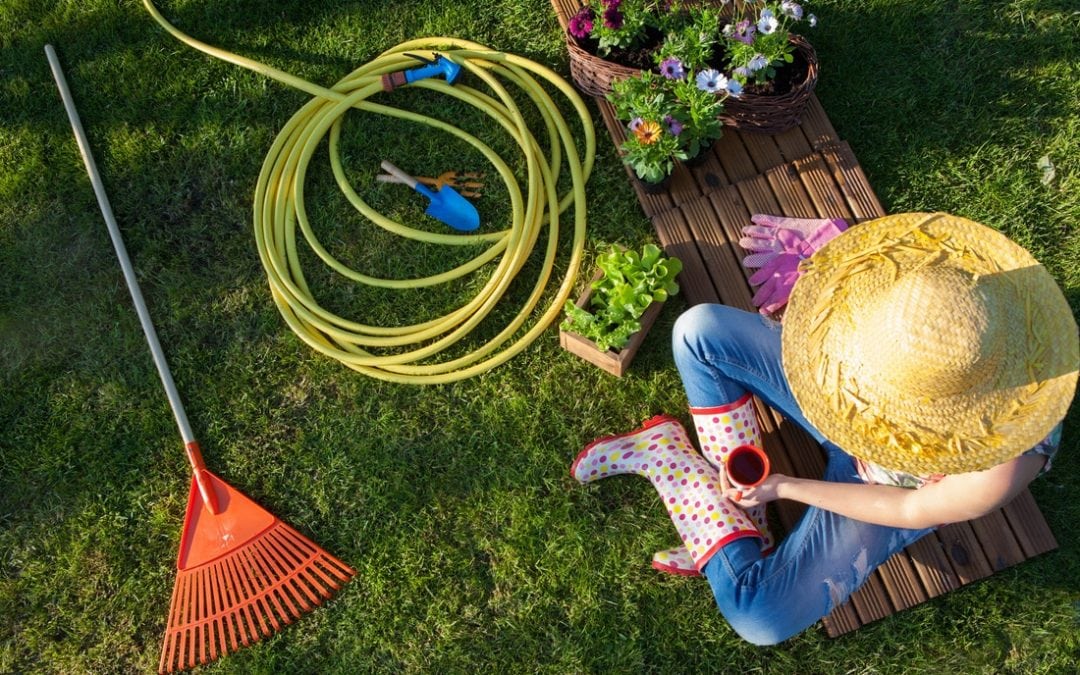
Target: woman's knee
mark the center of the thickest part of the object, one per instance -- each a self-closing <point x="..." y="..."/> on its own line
<point x="700" y="321"/>
<point x="759" y="630"/>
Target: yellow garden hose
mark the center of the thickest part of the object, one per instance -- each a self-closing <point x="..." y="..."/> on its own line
<point x="279" y="208"/>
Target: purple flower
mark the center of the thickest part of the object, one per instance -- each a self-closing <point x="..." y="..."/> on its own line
<point x="757" y="63"/>
<point x="674" y="126"/>
<point x="741" y="72"/>
<point x="711" y="81"/>
<point x="672" y="69"/>
<point x="613" y="18"/>
<point x="635" y="123"/>
<point x="792" y="9"/>
<point x="744" y="32"/>
<point x="611" y="4"/>
<point x="581" y="24"/>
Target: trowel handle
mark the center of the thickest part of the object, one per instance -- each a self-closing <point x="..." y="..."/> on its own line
<point x="398" y="173"/>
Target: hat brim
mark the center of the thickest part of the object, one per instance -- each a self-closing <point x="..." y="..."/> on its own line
<point x="912" y="431"/>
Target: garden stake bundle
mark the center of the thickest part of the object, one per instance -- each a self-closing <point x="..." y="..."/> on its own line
<point x="242" y="573"/>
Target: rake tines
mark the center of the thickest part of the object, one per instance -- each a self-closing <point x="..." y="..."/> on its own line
<point x="248" y="594"/>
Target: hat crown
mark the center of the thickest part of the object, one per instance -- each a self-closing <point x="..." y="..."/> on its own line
<point x="935" y="332"/>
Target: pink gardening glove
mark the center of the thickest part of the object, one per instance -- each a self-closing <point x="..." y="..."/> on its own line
<point x="775" y="280"/>
<point x="777" y="244"/>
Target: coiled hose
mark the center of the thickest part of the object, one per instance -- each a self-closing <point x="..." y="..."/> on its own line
<point x="279" y="208"/>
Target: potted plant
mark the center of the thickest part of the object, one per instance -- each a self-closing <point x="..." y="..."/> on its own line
<point x="608" y="323"/>
<point x="670" y="116"/>
<point x="749" y="43"/>
<point x="777" y="69"/>
<point x="611" y="39"/>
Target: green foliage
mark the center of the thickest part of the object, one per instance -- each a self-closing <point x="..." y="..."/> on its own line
<point x="630" y="283"/>
<point x="756" y="40"/>
<point x="699" y="113"/>
<point x="668" y="118"/>
<point x="691" y="36"/>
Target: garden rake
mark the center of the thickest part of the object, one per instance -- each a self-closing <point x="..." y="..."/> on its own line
<point x="242" y="573"/>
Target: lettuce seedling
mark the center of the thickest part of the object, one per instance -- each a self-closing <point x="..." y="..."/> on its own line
<point x="630" y="283"/>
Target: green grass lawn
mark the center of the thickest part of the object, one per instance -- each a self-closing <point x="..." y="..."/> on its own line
<point x="473" y="546"/>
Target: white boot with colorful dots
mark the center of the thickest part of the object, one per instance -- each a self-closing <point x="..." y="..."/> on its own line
<point x="720" y="429"/>
<point x="688" y="485"/>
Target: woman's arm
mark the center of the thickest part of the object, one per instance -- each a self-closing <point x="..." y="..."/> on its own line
<point x="952" y="499"/>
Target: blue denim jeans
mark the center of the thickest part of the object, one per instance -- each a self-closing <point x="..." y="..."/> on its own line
<point x="722" y="353"/>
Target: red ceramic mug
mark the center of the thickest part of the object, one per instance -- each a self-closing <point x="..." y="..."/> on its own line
<point x="746" y="466"/>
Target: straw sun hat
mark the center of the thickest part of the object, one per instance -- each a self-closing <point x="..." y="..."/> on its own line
<point x="928" y="343"/>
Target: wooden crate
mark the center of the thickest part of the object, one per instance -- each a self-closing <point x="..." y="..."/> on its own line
<point x="611" y="361"/>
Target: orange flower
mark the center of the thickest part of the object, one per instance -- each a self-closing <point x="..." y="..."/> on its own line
<point x="647" y="132"/>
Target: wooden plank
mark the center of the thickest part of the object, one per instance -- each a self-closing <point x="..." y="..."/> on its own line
<point x="758" y="198"/>
<point x="564" y="9"/>
<point x="793" y="143"/>
<point x="997" y="539"/>
<point x="852" y="182"/>
<point x="932" y="566"/>
<point x="677" y="241"/>
<point x="902" y="582"/>
<point x="823" y="190"/>
<point x="1029" y="525"/>
<point x="732" y="213"/>
<point x="683" y="188"/>
<point x="734" y="157"/>
<point x="842" y="619"/>
<point x="816" y="126"/>
<point x="710" y="174"/>
<point x="871" y="602"/>
<point x="790" y="192"/>
<point x="764" y="151"/>
<point x="716" y="253"/>
<point x="964" y="552"/>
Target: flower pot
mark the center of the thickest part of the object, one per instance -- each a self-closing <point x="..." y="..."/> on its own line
<point x="652" y="188"/>
<point x="592" y="74"/>
<point x="698" y="159"/>
<point x="611" y="361"/>
<point x="774" y="113"/>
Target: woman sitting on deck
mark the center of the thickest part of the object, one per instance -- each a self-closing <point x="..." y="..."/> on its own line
<point x="930" y="356"/>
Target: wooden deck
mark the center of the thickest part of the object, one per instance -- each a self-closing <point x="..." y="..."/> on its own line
<point x="810" y="172"/>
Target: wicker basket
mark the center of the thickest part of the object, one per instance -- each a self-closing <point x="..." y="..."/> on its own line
<point x="774" y="114"/>
<point x="592" y="74"/>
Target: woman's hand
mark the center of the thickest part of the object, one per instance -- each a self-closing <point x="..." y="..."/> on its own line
<point x="754" y="496"/>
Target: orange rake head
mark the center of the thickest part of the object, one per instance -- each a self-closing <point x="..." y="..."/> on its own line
<point x="242" y="575"/>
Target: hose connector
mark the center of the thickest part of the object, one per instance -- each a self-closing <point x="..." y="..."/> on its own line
<point x="440" y="66"/>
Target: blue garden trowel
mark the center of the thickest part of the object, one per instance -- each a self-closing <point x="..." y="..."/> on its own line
<point x="446" y="205"/>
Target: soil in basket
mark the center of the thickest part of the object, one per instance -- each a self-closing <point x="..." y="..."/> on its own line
<point x="788" y="76"/>
<point x="638" y="57"/>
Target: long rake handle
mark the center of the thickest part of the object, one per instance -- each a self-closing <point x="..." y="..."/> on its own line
<point x="191" y="445"/>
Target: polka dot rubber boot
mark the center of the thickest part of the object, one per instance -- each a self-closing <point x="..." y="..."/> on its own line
<point x="675" y="561"/>
<point x="688" y="485"/>
<point x="678" y="561"/>
<point x="720" y="429"/>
